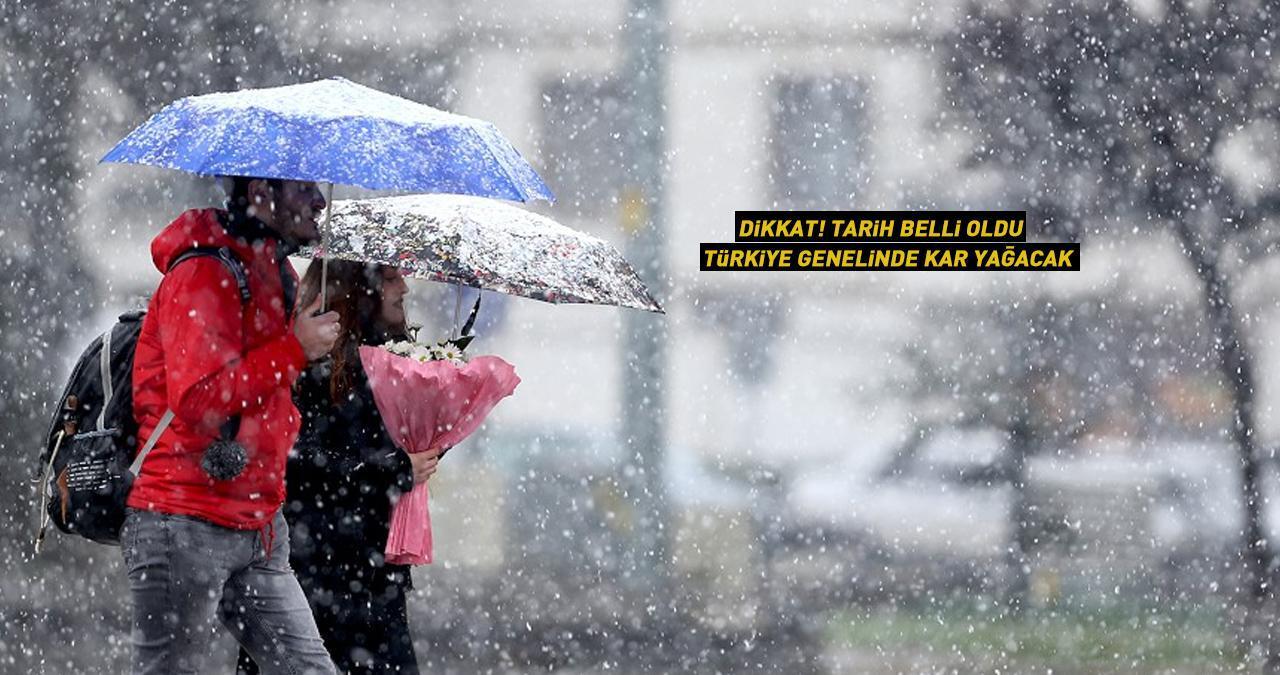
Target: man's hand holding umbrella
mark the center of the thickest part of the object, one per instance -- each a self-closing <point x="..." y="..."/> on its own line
<point x="316" y="332"/>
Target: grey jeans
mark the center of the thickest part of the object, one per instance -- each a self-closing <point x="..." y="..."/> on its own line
<point x="184" y="572"/>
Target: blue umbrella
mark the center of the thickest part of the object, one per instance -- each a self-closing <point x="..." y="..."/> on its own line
<point x="333" y="131"/>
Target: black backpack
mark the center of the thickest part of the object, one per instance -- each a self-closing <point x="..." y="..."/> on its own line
<point x="88" y="464"/>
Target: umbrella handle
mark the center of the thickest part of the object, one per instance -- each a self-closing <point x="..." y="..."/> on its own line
<point x="324" y="240"/>
<point x="457" y="310"/>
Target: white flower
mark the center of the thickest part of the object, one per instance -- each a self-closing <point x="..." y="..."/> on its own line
<point x="400" y="348"/>
<point x="441" y="351"/>
<point x="422" y="353"/>
<point x="448" y="351"/>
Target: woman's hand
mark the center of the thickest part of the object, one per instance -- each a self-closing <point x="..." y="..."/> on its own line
<point x="424" y="464"/>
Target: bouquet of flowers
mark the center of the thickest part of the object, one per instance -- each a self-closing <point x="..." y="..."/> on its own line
<point x="430" y="397"/>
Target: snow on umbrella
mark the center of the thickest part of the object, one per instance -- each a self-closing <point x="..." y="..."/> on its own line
<point x="485" y="244"/>
<point x="333" y="131"/>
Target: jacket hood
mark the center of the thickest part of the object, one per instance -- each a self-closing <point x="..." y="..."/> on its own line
<point x="205" y="227"/>
<point x="197" y="227"/>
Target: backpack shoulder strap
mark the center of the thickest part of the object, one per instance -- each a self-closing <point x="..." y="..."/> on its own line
<point x="227" y="258"/>
<point x="151" y="442"/>
<point x="236" y="267"/>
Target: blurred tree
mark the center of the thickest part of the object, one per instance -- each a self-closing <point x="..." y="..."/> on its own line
<point x="46" y="286"/>
<point x="1049" y="372"/>
<point x="1104" y="109"/>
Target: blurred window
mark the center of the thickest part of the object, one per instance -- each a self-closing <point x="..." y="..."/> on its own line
<point x="951" y="451"/>
<point x="819" y="142"/>
<point x="582" y="142"/>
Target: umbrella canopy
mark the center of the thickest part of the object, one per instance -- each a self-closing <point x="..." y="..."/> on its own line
<point x="333" y="131"/>
<point x="485" y="244"/>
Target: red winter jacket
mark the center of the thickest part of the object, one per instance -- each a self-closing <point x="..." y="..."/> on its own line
<point x="206" y="356"/>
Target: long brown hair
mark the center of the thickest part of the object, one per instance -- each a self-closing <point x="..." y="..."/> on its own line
<point x="355" y="293"/>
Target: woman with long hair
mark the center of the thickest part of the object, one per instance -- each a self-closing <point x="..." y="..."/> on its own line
<point x="343" y="476"/>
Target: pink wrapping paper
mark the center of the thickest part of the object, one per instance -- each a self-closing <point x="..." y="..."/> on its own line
<point x="426" y="406"/>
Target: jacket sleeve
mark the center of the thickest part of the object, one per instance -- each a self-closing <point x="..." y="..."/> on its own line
<point x="201" y="322"/>
<point x="373" y="459"/>
<point x="348" y="443"/>
<point x="392" y="469"/>
<point x="357" y="458"/>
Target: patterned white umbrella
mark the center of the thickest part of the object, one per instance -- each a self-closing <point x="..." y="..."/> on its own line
<point x="484" y="243"/>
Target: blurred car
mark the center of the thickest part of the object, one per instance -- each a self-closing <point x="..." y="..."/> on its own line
<point x="1103" y="516"/>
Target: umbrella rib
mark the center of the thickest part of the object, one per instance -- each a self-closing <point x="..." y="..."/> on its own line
<point x="515" y="183"/>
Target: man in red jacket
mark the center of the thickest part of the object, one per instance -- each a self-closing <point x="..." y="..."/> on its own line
<point x="199" y="546"/>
